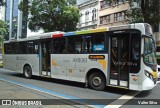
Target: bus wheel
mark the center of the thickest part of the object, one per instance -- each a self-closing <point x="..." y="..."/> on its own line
<point x="27" y="71"/>
<point x="97" y="81"/>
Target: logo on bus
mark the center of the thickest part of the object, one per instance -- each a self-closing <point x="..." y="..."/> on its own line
<point x="96" y="57"/>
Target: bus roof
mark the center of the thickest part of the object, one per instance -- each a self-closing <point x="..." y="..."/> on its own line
<point x="139" y="26"/>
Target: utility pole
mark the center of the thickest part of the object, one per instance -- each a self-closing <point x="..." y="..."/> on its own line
<point x="19" y="29"/>
<point x="11" y="19"/>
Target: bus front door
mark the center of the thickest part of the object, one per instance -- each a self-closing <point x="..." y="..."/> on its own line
<point x="119" y="59"/>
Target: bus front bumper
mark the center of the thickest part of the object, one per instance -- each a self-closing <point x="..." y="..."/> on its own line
<point x="148" y="84"/>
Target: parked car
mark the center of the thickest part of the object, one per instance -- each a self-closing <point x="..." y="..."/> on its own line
<point x="158" y="71"/>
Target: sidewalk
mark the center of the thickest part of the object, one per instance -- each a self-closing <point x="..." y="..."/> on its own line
<point x="11" y="91"/>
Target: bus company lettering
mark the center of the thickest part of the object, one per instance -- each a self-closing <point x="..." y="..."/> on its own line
<point x="20" y="58"/>
<point x="126" y="63"/>
<point x="96" y="57"/>
<point x="80" y="60"/>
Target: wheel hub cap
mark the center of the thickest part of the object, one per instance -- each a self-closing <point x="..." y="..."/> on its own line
<point x="96" y="81"/>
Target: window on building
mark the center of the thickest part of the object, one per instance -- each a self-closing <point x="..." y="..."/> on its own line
<point x="101" y="20"/>
<point x="108" y="19"/>
<point x="94" y="12"/>
<point x="115" y="17"/>
<point x="105" y="19"/>
<point x="120" y="16"/>
<point x="87" y="16"/>
<point x="80" y="19"/>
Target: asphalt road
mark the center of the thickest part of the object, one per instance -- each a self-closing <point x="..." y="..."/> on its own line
<point x="77" y="91"/>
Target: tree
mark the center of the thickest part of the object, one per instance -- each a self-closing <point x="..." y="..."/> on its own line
<point x="149" y="11"/>
<point x="2" y="3"/>
<point x="51" y="15"/>
<point x="3" y="27"/>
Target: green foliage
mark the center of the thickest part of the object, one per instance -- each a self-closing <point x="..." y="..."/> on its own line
<point x="3" y="27"/>
<point x="2" y="3"/>
<point x="149" y="11"/>
<point x="51" y="15"/>
<point x="134" y="16"/>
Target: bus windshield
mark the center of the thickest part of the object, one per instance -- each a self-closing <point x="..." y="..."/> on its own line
<point x="149" y="51"/>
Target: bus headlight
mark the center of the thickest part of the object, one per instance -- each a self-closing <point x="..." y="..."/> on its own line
<point x="146" y="73"/>
<point x="149" y="75"/>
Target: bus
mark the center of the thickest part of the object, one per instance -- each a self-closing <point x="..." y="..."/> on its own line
<point x="119" y="56"/>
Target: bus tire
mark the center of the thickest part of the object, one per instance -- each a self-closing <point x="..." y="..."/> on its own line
<point x="27" y="71"/>
<point x="97" y="81"/>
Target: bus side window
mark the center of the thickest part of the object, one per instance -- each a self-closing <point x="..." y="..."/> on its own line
<point x="58" y="45"/>
<point x="135" y="53"/>
<point x="71" y="45"/>
<point x="135" y="49"/>
<point x="95" y="43"/>
<point x="75" y="44"/>
<point x="9" y="48"/>
<point x="33" y="47"/>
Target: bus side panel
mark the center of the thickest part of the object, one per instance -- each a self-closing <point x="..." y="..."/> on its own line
<point x="17" y="62"/>
<point x="74" y="67"/>
<point x="100" y="64"/>
<point x="33" y="61"/>
<point x="58" y="68"/>
<point x="75" y="73"/>
<point x="10" y="62"/>
<point x="20" y="62"/>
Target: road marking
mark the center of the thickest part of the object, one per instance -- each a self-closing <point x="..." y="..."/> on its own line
<point x="53" y="93"/>
<point x="125" y="98"/>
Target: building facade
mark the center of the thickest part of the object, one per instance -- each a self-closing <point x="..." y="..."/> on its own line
<point x="16" y="25"/>
<point x="2" y="13"/>
<point x="112" y="14"/>
<point x="100" y="13"/>
<point x="88" y="14"/>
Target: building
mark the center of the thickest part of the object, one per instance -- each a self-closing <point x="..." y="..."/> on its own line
<point x="2" y="13"/>
<point x="100" y="13"/>
<point x="112" y="14"/>
<point x="157" y="38"/>
<point x="16" y="25"/>
<point x="88" y="14"/>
